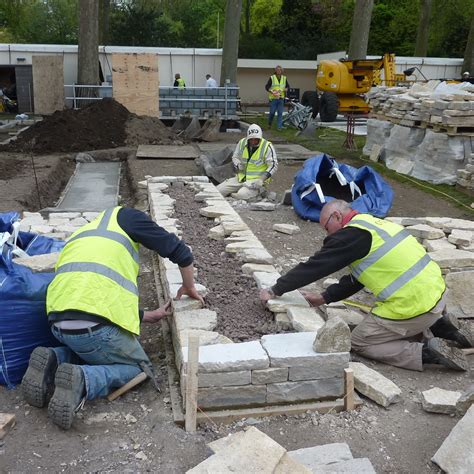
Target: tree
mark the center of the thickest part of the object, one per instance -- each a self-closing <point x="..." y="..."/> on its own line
<point x="104" y="21"/>
<point x="360" y="29"/>
<point x="88" y="43"/>
<point x="468" y="64"/>
<point x="230" y="49"/>
<point x="421" y="46"/>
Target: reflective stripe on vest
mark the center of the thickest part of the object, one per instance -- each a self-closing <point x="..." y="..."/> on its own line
<point x="277" y="86"/>
<point x="397" y="270"/>
<point x="97" y="273"/>
<point x="254" y="166"/>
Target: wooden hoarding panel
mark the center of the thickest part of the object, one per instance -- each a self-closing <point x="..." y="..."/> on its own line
<point x="48" y="83"/>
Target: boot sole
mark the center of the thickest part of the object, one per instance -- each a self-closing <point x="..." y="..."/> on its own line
<point x="39" y="377"/>
<point x="63" y="404"/>
<point x="449" y="356"/>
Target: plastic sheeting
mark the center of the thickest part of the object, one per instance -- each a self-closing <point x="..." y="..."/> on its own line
<point x="322" y="179"/>
<point x="23" y="321"/>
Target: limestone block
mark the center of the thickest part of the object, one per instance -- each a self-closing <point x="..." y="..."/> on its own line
<point x="439" y="244"/>
<point x="206" y="338"/>
<point x="288" y="464"/>
<point x="307" y="390"/>
<point x="167" y="263"/>
<point x="41" y="229"/>
<point x="236" y="247"/>
<point x="200" y="179"/>
<point x="359" y="465"/>
<point x="350" y="316"/>
<point x="216" y="211"/>
<point x="332" y="365"/>
<point x="27" y="222"/>
<point x="265" y="279"/>
<point x="231" y="226"/>
<point x="203" y="319"/>
<point x="456" y="454"/>
<point x="271" y="375"/>
<point x="283" y="322"/>
<point x="55" y="221"/>
<point x="157" y="187"/>
<point x="461" y="238"/>
<point x="286" y="228"/>
<point x="262" y="206"/>
<point x="423" y="231"/>
<point x="216" y="233"/>
<point x="203" y="195"/>
<point x="465" y="400"/>
<point x="174" y="276"/>
<point x="174" y="289"/>
<point x="225" y="379"/>
<point x="251" y="268"/>
<point x="231" y="357"/>
<point x="39" y="263"/>
<point x="218" y="397"/>
<point x="78" y="222"/>
<point x="281" y="304"/>
<point x="64" y="215"/>
<point x="453" y="258"/>
<point x="437" y="400"/>
<point x="63" y="229"/>
<point x="304" y="319"/>
<point x="437" y="222"/>
<point x="375" y="386"/>
<point x="460" y="300"/>
<point x="250" y="452"/>
<point x="185" y="304"/>
<point x="90" y="216"/>
<point x="334" y="336"/>
<point x="411" y="221"/>
<point x="158" y="212"/>
<point x="255" y="256"/>
<point x="325" y="454"/>
<point x="183" y="179"/>
<point x="162" y="179"/>
<point x="160" y="199"/>
<point x="223" y="443"/>
<point x="461" y="224"/>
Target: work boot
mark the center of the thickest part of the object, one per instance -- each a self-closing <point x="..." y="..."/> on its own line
<point x="38" y="382"/>
<point x="68" y="396"/>
<point x="448" y="327"/>
<point x="438" y="351"/>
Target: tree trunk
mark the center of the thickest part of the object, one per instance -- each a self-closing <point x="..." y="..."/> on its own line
<point x="248" y="5"/>
<point x="360" y="29"/>
<point x="230" y="48"/>
<point x="88" y="43"/>
<point x="104" y="21"/>
<point x="468" y="64"/>
<point x="421" y="46"/>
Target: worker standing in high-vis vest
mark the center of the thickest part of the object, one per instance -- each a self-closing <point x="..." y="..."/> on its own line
<point x="408" y="286"/>
<point x="92" y="307"/>
<point x="277" y="87"/>
<point x="255" y="162"/>
<point x="179" y="81"/>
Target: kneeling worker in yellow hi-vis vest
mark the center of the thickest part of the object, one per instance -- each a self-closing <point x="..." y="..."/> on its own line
<point x="255" y="162"/>
<point x="92" y="307"/>
<point x="409" y="325"/>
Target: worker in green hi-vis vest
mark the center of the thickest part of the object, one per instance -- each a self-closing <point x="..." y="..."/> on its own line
<point x="179" y="81"/>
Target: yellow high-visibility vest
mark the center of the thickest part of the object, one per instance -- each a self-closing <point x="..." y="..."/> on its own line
<point x="278" y="86"/>
<point x="255" y="166"/>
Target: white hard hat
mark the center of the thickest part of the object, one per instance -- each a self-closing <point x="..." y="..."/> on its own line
<point x="465" y="73"/>
<point x="254" y="131"/>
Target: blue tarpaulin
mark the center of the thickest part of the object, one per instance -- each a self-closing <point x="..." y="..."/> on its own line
<point x="322" y="179"/>
<point x="23" y="321"/>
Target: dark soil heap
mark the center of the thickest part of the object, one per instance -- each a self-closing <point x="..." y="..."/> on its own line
<point x="103" y="124"/>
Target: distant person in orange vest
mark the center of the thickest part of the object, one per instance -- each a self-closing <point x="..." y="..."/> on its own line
<point x="179" y="81"/>
<point x="277" y="87"/>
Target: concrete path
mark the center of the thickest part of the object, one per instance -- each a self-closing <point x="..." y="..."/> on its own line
<point x="92" y="187"/>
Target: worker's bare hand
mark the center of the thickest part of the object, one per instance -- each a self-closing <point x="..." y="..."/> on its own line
<point x="266" y="295"/>
<point x="191" y="292"/>
<point x="158" y="314"/>
<point x="314" y="299"/>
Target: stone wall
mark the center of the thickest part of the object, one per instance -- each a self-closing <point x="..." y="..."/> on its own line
<point x="199" y="101"/>
<point x="277" y="369"/>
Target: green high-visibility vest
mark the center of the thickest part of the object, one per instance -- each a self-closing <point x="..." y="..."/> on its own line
<point x="97" y="273"/>
<point x="255" y="166"/>
<point x="279" y="86"/>
<point x="181" y="83"/>
<point x="398" y="271"/>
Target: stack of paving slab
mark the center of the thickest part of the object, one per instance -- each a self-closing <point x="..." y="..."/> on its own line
<point x="450" y="243"/>
<point x="429" y="137"/>
<point x="253" y="451"/>
<point x="276" y="369"/>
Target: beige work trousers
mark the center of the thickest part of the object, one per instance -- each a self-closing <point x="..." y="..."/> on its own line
<point x="237" y="190"/>
<point x="397" y="343"/>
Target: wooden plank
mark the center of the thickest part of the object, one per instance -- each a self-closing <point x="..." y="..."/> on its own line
<point x="7" y="421"/>
<point x="136" y="82"/>
<point x="348" y="389"/>
<point x="129" y="385"/>
<point x="48" y="83"/>
<point x="185" y="152"/>
<point x="192" y="384"/>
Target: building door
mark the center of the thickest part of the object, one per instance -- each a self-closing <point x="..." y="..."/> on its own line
<point x="24" y="88"/>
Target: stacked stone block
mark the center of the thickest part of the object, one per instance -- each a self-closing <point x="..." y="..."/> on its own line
<point x="201" y="102"/>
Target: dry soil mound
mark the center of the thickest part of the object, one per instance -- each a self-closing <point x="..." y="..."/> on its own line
<point x="103" y="124"/>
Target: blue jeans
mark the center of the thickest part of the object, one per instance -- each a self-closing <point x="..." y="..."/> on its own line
<point x="112" y="356"/>
<point x="276" y="105"/>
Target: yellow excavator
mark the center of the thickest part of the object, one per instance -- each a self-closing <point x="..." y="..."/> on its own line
<point x="341" y="83"/>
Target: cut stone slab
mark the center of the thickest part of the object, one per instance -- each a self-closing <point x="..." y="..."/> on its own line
<point x="216" y="233"/>
<point x="203" y="319"/>
<point x="461" y="224"/>
<point x="283" y="322"/>
<point x="325" y="454"/>
<point x="465" y="400"/>
<point x="460" y="300"/>
<point x="437" y="222"/>
<point x="281" y="304"/>
<point x="453" y="258"/>
<point x="286" y="228"/>
<point x="255" y="256"/>
<point x="305" y="390"/>
<point x="460" y="237"/>
<point x="225" y="379"/>
<point x="39" y="263"/>
<point x="437" y="400"/>
<point x="375" y="386"/>
<point x="439" y="244"/>
<point x="304" y="319"/>
<point x="334" y="336"/>
<point x="231" y="357"/>
<point x="216" y="211"/>
<point x="265" y="279"/>
<point x="423" y="231"/>
<point x="288" y="464"/>
<point x="232" y="226"/>
<point x="250" y="268"/>
<point x="353" y="466"/>
<point x="206" y="338"/>
<point x="456" y="454"/>
<point x="174" y="290"/>
<point x="185" y="304"/>
<point x="236" y="247"/>
<point x="262" y="206"/>
<point x="271" y="375"/>
<point x="350" y="316"/>
<point x="251" y="453"/>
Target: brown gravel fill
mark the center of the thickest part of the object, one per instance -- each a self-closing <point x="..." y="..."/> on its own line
<point x="103" y="124"/>
<point x="240" y="314"/>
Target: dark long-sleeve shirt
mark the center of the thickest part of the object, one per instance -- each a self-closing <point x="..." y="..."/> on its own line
<point x="339" y="250"/>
